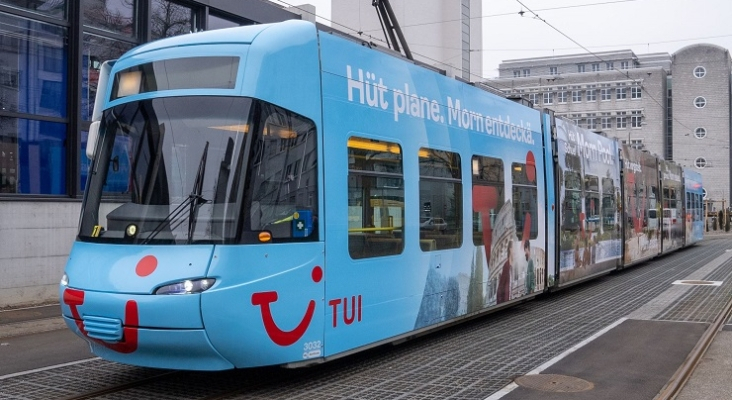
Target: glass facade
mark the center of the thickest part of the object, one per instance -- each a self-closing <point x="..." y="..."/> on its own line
<point x="50" y="56"/>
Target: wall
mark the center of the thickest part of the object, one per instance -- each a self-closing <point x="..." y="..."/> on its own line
<point x="35" y="240"/>
<point x="714" y="86"/>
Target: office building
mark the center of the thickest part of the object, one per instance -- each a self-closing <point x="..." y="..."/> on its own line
<point x="673" y="105"/>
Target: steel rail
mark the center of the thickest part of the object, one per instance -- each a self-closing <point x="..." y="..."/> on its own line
<point x="682" y="375"/>
<point x="118" y="388"/>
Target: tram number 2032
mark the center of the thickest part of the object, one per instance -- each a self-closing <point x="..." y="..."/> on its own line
<point x="312" y="349"/>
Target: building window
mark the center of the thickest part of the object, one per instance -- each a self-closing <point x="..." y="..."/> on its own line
<point x="591" y="121"/>
<point x="116" y="16"/>
<point x="605" y="92"/>
<point x="580" y="67"/>
<point x="170" y="19"/>
<point x="700" y="162"/>
<point x="548" y="98"/>
<point x="517" y="74"/>
<point x="576" y="119"/>
<point x="33" y="87"/>
<point x="700" y="133"/>
<point x="591" y="93"/>
<point x="96" y="50"/>
<point x="699" y="72"/>
<point x="553" y="71"/>
<point x="218" y="22"/>
<point x="635" y="143"/>
<point x="52" y="8"/>
<point x="606" y="121"/>
<point x="621" y="121"/>
<point x="440" y="197"/>
<point x="635" y="119"/>
<point x="624" y="65"/>
<point x="635" y="92"/>
<point x="700" y="102"/>
<point x="595" y="67"/>
<point x="562" y="95"/>
<point x="609" y="65"/>
<point x="527" y="72"/>
<point x="576" y="94"/>
<point x="534" y="98"/>
<point x="620" y="92"/>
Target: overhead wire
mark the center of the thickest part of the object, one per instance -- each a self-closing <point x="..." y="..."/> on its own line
<point x="626" y="74"/>
<point x="480" y="77"/>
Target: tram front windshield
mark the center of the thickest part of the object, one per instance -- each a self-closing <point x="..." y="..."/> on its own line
<point x="201" y="169"/>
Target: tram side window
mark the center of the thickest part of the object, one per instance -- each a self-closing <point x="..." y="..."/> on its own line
<point x="592" y="203"/>
<point x="525" y="199"/>
<point x="375" y="198"/>
<point x="572" y="205"/>
<point x="284" y="196"/>
<point x="698" y="207"/>
<point x="440" y="195"/>
<point x="488" y="196"/>
<point x="608" y="204"/>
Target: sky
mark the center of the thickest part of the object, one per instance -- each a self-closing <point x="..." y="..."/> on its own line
<point x="579" y="26"/>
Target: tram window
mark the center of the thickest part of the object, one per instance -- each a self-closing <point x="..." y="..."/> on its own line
<point x="592" y="203"/>
<point x="284" y="199"/>
<point x="608" y="203"/>
<point x="525" y="199"/>
<point x="488" y="196"/>
<point x="440" y="186"/>
<point x="572" y="204"/>
<point x="375" y="198"/>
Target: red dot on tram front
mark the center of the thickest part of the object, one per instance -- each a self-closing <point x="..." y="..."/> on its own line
<point x="317" y="274"/>
<point x="146" y="266"/>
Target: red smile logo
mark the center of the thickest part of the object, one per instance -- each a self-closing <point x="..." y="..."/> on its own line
<point x="275" y="333"/>
<point x="74" y="298"/>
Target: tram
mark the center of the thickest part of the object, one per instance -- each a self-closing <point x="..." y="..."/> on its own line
<point x="279" y="195"/>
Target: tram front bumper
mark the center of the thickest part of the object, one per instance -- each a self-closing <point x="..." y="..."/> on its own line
<point x="183" y="349"/>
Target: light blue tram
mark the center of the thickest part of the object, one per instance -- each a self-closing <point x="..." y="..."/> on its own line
<point x="278" y="195"/>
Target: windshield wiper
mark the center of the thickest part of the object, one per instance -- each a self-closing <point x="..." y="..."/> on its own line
<point x="195" y="200"/>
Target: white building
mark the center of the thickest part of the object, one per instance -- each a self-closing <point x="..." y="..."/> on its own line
<point x="676" y="106"/>
<point x="443" y="33"/>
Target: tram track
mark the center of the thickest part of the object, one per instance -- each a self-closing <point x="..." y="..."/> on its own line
<point x="478" y="348"/>
<point x="122" y="387"/>
<point x="681" y="376"/>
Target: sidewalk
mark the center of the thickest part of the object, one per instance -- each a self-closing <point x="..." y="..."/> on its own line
<point x="711" y="378"/>
<point x="30" y="320"/>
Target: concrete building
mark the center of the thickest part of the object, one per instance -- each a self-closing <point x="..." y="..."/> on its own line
<point x="676" y="106"/>
<point x="441" y="33"/>
<point x="700" y="116"/>
<point x="50" y="53"/>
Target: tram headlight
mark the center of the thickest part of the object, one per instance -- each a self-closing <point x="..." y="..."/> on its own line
<point x="188" y="286"/>
<point x="65" y="280"/>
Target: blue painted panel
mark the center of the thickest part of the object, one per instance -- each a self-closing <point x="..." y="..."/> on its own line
<point x="373" y="95"/>
<point x="552" y="207"/>
<point x="135" y="269"/>
<point x="268" y="303"/>
<point x="183" y="349"/>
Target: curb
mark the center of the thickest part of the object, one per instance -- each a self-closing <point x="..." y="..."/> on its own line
<point x="31" y="327"/>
